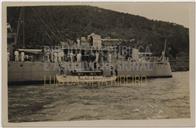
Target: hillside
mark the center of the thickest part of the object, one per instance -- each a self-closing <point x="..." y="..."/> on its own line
<point x="50" y="25"/>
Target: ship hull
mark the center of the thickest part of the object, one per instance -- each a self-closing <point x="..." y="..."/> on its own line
<point x="30" y="72"/>
<point x="146" y="69"/>
<point x="39" y="72"/>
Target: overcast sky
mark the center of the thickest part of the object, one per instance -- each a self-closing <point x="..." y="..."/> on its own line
<point x="172" y="12"/>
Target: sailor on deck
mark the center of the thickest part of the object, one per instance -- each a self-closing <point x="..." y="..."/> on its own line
<point x="22" y="55"/>
<point x="16" y="56"/>
<point x="109" y="57"/>
<point x="8" y="56"/>
<point x="96" y="60"/>
<point x="59" y="56"/>
<point x="52" y="55"/>
<point x="71" y="56"/>
<point x="163" y="58"/>
<point x="62" y="55"/>
<point x="91" y="66"/>
<point x="26" y="57"/>
<point x="79" y="57"/>
<point x="55" y="57"/>
<point x="78" y="42"/>
<point x="97" y="57"/>
<point x="47" y="56"/>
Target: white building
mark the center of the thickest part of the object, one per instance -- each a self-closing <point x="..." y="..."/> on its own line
<point x="95" y="40"/>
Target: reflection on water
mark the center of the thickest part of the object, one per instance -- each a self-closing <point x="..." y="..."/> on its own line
<point x="163" y="98"/>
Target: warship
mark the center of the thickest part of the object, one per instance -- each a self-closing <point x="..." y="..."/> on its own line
<point x="86" y="56"/>
<point x="90" y="55"/>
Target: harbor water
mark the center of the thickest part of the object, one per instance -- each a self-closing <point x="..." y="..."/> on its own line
<point x="160" y="98"/>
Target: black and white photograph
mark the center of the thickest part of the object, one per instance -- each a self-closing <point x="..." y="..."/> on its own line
<point x="98" y="61"/>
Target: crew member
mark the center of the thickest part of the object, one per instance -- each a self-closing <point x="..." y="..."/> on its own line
<point x="97" y="57"/>
<point x="59" y="56"/>
<point x="163" y="56"/>
<point x="109" y="58"/>
<point x="16" y="56"/>
<point x="48" y="56"/>
<point x="55" y="57"/>
<point x="52" y="55"/>
<point x="8" y="56"/>
<point x="26" y="57"/>
<point x="71" y="56"/>
<point x="22" y="56"/>
<point x="79" y="57"/>
<point x="91" y="67"/>
<point x="78" y="42"/>
<point x="62" y="55"/>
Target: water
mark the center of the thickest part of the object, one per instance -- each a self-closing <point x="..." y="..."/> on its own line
<point x="164" y="98"/>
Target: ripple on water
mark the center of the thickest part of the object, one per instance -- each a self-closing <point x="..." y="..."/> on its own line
<point x="157" y="99"/>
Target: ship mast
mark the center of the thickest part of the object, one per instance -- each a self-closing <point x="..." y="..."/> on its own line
<point x="20" y="21"/>
<point x="23" y="28"/>
<point x="165" y="46"/>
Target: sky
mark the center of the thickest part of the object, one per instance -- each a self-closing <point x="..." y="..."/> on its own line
<point x="172" y="12"/>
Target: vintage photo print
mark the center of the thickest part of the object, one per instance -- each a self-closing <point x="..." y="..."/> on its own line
<point x="98" y="64"/>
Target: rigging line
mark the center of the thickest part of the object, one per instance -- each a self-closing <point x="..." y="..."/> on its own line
<point x="62" y="35"/>
<point x="54" y="25"/>
<point x="53" y="28"/>
<point x="50" y="29"/>
<point x="47" y="26"/>
<point x="48" y="35"/>
<point x="50" y="22"/>
<point x="18" y="27"/>
<point x="42" y="22"/>
<point x="50" y="38"/>
<point x="57" y="30"/>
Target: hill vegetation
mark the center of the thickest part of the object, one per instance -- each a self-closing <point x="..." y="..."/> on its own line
<point x="49" y="25"/>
